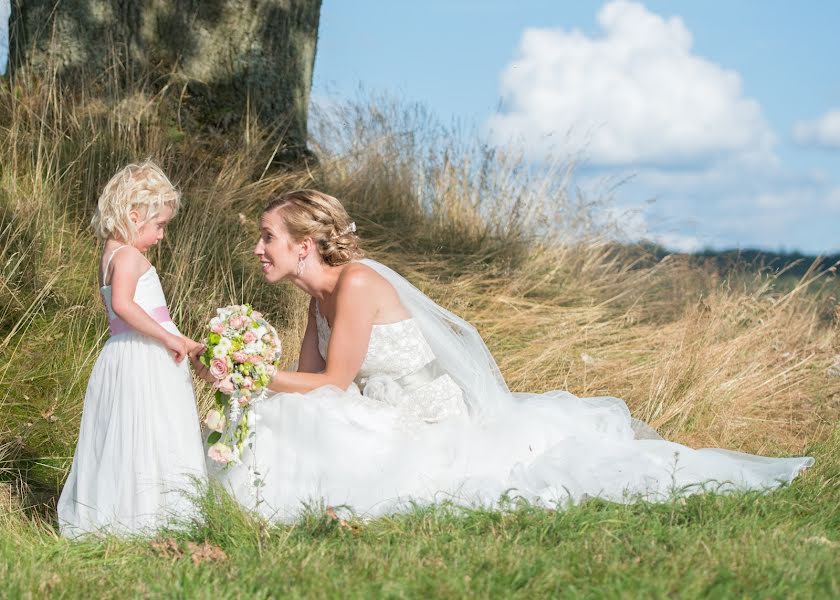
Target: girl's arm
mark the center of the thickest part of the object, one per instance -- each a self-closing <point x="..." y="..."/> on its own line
<point x="354" y="315"/>
<point x="128" y="266"/>
<point x="310" y="360"/>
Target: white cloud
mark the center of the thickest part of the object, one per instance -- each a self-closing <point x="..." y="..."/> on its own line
<point x="632" y="223"/>
<point x="678" y="242"/>
<point x="823" y="131"/>
<point x="635" y="95"/>
<point x="771" y="210"/>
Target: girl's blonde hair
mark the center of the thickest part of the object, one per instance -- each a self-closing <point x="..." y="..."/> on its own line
<point x="310" y="213"/>
<point x="142" y="187"/>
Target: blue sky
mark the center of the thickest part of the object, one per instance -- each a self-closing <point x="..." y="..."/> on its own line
<point x="725" y="116"/>
<point x="4" y="34"/>
<point x="720" y="112"/>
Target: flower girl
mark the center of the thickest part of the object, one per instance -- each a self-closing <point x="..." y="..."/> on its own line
<point x="139" y="447"/>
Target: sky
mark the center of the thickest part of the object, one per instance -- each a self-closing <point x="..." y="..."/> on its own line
<point x="722" y="119"/>
<point x="4" y="34"/>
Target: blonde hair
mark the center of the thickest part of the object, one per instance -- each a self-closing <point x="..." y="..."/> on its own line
<point x="310" y="213"/>
<point x="143" y="187"/>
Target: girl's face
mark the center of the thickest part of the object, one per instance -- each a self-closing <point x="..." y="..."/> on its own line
<point x="277" y="251"/>
<point x="150" y="232"/>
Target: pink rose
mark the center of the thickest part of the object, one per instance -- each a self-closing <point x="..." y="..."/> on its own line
<point x="237" y="322"/>
<point x="225" y="386"/>
<point x="249" y="337"/>
<point x="245" y="399"/>
<point x="255" y="314"/>
<point x="217" y="328"/>
<point x="218" y="368"/>
<point x="240" y="356"/>
<point x="256" y="359"/>
<point x="247" y="383"/>
<point x="220" y="453"/>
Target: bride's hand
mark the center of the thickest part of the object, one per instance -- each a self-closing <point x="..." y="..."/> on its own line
<point x="198" y="367"/>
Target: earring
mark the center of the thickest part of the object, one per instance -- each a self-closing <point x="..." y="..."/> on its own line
<point x="300" y="266"/>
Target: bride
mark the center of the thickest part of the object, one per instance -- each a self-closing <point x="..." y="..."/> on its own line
<point x="396" y="401"/>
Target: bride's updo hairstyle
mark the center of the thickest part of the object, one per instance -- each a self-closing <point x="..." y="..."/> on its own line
<point x="142" y="187"/>
<point x="310" y="213"/>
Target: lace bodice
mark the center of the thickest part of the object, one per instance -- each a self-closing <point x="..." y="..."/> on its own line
<point x="398" y="351"/>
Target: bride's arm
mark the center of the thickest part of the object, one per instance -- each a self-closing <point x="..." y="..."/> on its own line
<point x="355" y="310"/>
<point x="310" y="360"/>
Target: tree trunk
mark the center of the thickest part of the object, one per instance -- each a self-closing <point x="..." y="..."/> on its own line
<point x="232" y="55"/>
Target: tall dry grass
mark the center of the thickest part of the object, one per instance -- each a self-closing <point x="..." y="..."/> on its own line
<point x="732" y="360"/>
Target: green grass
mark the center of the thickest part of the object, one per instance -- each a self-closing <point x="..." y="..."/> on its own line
<point x="780" y="545"/>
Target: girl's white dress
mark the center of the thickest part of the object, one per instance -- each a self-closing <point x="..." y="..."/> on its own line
<point x="429" y="419"/>
<point x="139" y="447"/>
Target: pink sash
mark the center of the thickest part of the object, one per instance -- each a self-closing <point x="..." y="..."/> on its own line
<point x="159" y="314"/>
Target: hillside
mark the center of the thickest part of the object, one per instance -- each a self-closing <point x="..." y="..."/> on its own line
<point x="710" y="356"/>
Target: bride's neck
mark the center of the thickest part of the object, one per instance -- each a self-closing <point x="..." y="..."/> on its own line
<point x="319" y="280"/>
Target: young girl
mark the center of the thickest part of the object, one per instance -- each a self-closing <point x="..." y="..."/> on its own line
<point x="139" y="446"/>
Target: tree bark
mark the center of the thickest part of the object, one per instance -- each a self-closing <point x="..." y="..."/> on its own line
<point x="233" y="56"/>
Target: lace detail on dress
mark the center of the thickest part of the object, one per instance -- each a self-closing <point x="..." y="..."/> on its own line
<point x="395" y="350"/>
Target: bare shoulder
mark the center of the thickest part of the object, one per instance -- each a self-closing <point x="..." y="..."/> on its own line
<point x="357" y="276"/>
<point x="131" y="260"/>
<point x="368" y="287"/>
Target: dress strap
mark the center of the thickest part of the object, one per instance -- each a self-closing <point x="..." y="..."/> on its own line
<point x="108" y="263"/>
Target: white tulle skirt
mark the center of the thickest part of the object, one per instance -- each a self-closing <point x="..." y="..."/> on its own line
<point x="139" y="447"/>
<point x="334" y="447"/>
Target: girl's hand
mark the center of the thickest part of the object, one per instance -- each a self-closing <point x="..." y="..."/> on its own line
<point x="198" y="367"/>
<point x="177" y="345"/>
<point x="193" y="346"/>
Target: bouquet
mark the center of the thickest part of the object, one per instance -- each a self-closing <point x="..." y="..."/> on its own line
<point x="243" y="351"/>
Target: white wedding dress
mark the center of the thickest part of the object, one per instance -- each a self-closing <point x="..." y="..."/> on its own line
<point x="429" y="419"/>
<point x="139" y="452"/>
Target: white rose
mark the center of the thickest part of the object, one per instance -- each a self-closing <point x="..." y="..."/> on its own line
<point x="215" y="421"/>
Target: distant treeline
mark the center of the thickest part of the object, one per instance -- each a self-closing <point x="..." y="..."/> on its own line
<point x="793" y="263"/>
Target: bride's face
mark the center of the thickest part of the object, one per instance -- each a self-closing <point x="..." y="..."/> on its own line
<point x="277" y="251"/>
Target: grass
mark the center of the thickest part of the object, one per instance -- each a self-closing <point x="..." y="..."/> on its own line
<point x="747" y="545"/>
<point x="737" y="359"/>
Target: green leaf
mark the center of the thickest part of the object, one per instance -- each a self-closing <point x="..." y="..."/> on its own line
<point x="214" y="437"/>
<point x="221" y="399"/>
